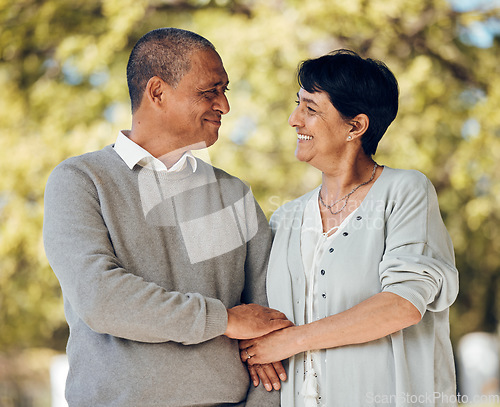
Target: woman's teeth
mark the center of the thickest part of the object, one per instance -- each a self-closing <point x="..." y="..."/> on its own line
<point x="303" y="137"/>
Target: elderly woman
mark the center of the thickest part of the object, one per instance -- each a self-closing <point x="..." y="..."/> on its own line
<point x="363" y="264"/>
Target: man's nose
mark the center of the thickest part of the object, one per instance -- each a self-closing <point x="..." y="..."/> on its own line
<point x="222" y="104"/>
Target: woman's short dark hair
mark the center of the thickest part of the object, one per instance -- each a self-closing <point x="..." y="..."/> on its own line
<point x="355" y="85"/>
<point x="164" y="52"/>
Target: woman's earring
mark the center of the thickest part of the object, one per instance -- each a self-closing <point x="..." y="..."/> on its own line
<point x="349" y="137"/>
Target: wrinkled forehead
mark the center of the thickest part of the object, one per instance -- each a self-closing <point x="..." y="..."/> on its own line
<point x="207" y="68"/>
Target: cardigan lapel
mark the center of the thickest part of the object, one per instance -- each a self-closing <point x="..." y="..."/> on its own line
<point x="295" y="264"/>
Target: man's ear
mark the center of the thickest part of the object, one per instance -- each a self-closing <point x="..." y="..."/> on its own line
<point x="155" y="90"/>
<point x="359" y="125"/>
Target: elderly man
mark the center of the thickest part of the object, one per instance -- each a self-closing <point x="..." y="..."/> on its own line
<point x="160" y="256"/>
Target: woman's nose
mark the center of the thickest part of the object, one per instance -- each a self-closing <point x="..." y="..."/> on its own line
<point x="294" y="119"/>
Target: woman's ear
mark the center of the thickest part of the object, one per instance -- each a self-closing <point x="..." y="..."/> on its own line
<point x="359" y="126"/>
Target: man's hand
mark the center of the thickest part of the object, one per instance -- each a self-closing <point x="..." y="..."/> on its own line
<point x="270" y="374"/>
<point x="248" y="321"/>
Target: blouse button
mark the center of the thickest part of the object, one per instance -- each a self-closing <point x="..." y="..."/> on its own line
<point x="323" y="272"/>
<point x="331" y="250"/>
<point x="345" y="233"/>
<point x="358" y="218"/>
<point x="323" y="295"/>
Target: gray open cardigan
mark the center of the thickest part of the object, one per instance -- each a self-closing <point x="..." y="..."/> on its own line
<point x="396" y="242"/>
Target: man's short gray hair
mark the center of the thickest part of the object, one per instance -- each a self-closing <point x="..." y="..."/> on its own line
<point x="164" y="52"/>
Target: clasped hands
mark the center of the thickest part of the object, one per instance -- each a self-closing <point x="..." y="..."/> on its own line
<point x="248" y="323"/>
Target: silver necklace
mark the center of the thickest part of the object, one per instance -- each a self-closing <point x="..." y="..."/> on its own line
<point x="346" y="197"/>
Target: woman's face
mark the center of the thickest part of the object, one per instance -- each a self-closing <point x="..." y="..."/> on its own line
<point x="321" y="131"/>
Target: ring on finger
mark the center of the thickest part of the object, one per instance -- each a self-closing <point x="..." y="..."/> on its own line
<point x="248" y="356"/>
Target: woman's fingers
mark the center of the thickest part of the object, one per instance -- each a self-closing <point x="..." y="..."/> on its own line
<point x="244" y="355"/>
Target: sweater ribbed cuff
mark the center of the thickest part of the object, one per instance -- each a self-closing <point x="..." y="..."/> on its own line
<point x="216" y="323"/>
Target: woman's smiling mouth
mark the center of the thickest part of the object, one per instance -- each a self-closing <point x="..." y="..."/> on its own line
<point x="304" y="137"/>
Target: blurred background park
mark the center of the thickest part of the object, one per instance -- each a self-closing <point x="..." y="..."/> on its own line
<point x="63" y="92"/>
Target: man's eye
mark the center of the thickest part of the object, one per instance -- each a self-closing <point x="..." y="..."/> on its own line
<point x="310" y="110"/>
<point x="212" y="93"/>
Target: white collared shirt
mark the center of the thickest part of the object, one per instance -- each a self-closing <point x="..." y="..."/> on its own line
<point x="133" y="154"/>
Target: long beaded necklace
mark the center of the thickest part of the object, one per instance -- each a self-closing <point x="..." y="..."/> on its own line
<point x="346" y="197"/>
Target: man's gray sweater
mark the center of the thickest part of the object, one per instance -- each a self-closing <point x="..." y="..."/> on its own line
<point x="148" y="263"/>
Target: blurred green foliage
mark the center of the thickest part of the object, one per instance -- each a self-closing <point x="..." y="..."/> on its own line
<point x="62" y="75"/>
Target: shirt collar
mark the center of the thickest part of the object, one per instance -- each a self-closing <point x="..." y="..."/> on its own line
<point x="133" y="154"/>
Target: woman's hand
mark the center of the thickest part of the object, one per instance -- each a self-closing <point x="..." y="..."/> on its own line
<point x="269" y="348"/>
<point x="270" y="374"/>
<point x="374" y="318"/>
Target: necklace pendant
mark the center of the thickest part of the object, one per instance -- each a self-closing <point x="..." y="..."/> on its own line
<point x="346" y="197"/>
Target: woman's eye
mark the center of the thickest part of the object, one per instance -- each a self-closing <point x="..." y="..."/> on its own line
<point x="309" y="109"/>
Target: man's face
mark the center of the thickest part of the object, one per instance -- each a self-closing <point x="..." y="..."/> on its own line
<point x="194" y="108"/>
